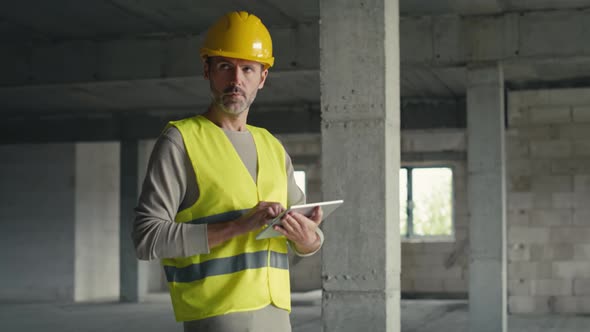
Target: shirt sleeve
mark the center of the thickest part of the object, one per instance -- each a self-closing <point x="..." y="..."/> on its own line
<point x="155" y="234"/>
<point x="295" y="196"/>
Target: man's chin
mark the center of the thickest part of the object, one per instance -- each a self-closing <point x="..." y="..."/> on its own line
<point x="232" y="109"/>
<point x="233" y="99"/>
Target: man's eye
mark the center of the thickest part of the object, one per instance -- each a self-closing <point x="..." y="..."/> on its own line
<point x="248" y="69"/>
<point x="223" y="66"/>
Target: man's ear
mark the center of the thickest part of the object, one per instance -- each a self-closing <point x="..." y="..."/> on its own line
<point x="206" y="69"/>
<point x="263" y="77"/>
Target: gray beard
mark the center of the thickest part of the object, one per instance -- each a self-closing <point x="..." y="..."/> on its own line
<point x="218" y="102"/>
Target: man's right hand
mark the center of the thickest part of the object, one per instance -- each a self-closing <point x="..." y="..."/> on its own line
<point x="254" y="219"/>
<point x="258" y="216"/>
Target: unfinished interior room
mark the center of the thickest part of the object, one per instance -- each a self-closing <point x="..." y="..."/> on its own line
<point x="457" y="133"/>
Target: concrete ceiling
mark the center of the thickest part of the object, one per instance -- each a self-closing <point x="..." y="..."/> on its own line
<point x="41" y="40"/>
<point x="474" y="7"/>
<point x="26" y="20"/>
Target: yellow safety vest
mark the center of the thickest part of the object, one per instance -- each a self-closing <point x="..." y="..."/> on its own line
<point x="241" y="274"/>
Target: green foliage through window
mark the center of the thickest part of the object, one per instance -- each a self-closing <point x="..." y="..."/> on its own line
<point x="426" y="200"/>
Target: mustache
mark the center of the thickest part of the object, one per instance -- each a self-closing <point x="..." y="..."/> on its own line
<point x="233" y="89"/>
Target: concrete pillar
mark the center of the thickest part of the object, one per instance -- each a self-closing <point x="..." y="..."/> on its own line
<point x="129" y="265"/>
<point x="359" y="72"/>
<point x="486" y="198"/>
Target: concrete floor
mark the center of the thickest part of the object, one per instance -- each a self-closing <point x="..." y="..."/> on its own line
<point x="155" y="314"/>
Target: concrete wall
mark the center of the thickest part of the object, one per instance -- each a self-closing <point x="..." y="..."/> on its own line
<point x="438" y="267"/>
<point x="59" y="212"/>
<point x="97" y="221"/>
<point x="548" y="170"/>
<point x="37" y="198"/>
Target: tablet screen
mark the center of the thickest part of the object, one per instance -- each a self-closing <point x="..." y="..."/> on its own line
<point x="306" y="209"/>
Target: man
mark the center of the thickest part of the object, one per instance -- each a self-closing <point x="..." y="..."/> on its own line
<point x="213" y="182"/>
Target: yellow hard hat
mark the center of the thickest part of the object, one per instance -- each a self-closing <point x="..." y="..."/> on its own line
<point x="239" y="35"/>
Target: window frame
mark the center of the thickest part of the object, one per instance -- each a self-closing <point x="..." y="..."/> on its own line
<point x="410" y="236"/>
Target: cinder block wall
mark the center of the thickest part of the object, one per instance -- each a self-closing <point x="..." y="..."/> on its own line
<point x="548" y="201"/>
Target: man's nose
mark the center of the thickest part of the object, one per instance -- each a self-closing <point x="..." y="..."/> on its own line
<point x="236" y="77"/>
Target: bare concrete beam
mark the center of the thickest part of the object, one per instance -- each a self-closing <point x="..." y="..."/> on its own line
<point x="73" y="127"/>
<point x="302" y="10"/>
<point x="461" y="7"/>
<point x="433" y="113"/>
<point x="419" y="46"/>
<point x="149" y="57"/>
<point x="512" y="37"/>
<point x="145" y="124"/>
<point x="281" y="88"/>
<point x="475" y="7"/>
<point x="423" y="7"/>
<point x="520" y="5"/>
<point x="429" y="41"/>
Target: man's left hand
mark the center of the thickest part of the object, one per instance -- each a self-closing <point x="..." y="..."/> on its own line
<point x="301" y="230"/>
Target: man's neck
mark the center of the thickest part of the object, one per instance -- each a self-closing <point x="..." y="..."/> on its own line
<point x="225" y="120"/>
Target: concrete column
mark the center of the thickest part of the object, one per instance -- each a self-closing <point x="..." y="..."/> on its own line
<point x="486" y="198"/>
<point x="129" y="265"/>
<point x="359" y="72"/>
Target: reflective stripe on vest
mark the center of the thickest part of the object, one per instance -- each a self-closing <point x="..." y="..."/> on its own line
<point x="221" y="217"/>
<point x="243" y="273"/>
<point x="226" y="265"/>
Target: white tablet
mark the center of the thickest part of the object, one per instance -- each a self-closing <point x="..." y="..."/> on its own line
<point x="305" y="209"/>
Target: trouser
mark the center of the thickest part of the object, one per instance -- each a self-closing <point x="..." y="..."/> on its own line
<point x="266" y="319"/>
